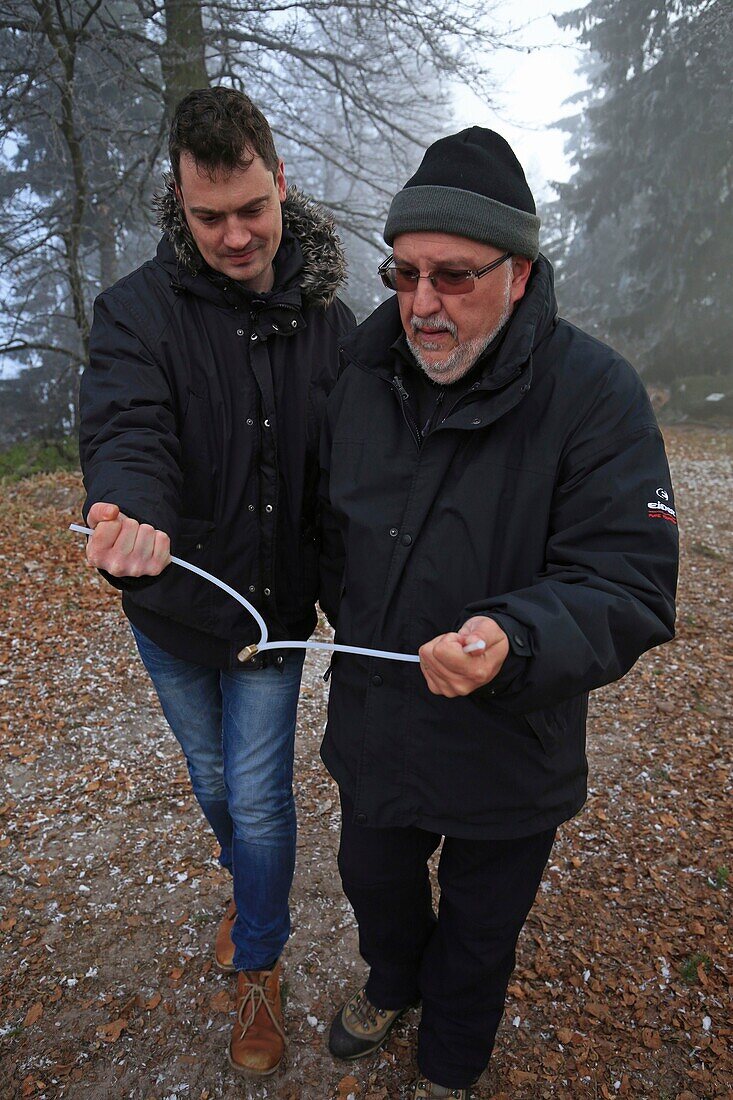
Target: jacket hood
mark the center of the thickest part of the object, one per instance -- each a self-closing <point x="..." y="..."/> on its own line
<point x="324" y="262"/>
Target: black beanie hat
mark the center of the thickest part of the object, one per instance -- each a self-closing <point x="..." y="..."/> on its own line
<point x="470" y="184"/>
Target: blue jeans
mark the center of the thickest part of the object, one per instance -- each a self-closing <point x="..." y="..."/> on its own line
<point x="237" y="733"/>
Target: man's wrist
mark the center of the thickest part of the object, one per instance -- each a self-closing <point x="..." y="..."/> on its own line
<point x="515" y="662"/>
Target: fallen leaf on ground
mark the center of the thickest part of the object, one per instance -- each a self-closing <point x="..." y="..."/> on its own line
<point x="33" y="1014"/>
<point x="111" y="1032"/>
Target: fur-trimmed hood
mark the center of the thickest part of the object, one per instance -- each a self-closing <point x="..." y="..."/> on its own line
<point x="324" y="262"/>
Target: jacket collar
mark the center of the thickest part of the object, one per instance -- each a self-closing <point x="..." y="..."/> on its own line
<point x="310" y="259"/>
<point x="370" y="345"/>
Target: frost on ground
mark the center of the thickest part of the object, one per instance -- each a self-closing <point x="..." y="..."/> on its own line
<point x="110" y="891"/>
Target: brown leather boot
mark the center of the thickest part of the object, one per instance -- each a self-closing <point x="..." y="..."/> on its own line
<point x="224" y="945"/>
<point x="258" y="1038"/>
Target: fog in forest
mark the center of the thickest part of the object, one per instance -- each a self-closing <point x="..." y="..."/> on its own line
<point x="640" y="230"/>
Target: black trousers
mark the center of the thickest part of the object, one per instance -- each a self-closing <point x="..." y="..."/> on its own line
<point x="459" y="963"/>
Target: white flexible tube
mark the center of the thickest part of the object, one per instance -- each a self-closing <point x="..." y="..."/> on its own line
<point x="336" y="647"/>
<point x="207" y="577"/>
<point x="263" y="643"/>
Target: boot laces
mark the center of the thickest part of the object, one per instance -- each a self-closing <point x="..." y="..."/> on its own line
<point x="253" y="999"/>
<point x="367" y="1014"/>
<point x="425" y="1089"/>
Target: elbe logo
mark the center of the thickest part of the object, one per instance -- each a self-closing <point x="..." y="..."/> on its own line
<point x="662" y="494"/>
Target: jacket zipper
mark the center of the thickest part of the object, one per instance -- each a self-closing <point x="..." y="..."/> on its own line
<point x="406" y="412"/>
<point x="428" y="425"/>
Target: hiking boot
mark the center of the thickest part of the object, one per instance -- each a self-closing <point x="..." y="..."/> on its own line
<point x="224" y="945"/>
<point x="258" y="1038"/>
<point x="359" y="1027"/>
<point x="428" y="1090"/>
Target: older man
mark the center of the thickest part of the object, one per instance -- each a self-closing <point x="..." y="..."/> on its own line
<point x="490" y="475"/>
<point x="201" y="409"/>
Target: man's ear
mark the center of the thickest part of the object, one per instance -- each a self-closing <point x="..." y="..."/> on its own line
<point x="521" y="271"/>
<point x="179" y="193"/>
<point x="281" y="182"/>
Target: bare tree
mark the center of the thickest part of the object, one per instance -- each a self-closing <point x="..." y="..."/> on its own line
<point x="354" y="90"/>
<point x="75" y="154"/>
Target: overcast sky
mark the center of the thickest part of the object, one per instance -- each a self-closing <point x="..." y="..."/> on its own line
<point x="531" y="87"/>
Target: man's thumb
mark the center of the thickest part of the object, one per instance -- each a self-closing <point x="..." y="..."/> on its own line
<point x="100" y="512"/>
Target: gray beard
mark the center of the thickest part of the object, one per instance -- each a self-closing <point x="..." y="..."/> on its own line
<point x="463" y="357"/>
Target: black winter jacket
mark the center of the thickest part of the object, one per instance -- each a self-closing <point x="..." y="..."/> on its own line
<point x="541" y="498"/>
<point x="200" y="414"/>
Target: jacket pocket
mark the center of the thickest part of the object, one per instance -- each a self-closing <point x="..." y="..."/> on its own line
<point x="552" y="725"/>
<point x="193" y="536"/>
<point x="180" y="595"/>
<point x="543" y="727"/>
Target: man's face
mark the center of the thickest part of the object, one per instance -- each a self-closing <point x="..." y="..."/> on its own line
<point x="235" y="218"/>
<point x="447" y="333"/>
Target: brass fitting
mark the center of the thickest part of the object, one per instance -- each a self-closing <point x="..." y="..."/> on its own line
<point x="247" y="653"/>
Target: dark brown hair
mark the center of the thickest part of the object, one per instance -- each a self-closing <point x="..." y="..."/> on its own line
<point x="221" y="129"/>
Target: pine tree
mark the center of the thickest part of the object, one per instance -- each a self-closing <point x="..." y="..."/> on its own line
<point x="649" y="210"/>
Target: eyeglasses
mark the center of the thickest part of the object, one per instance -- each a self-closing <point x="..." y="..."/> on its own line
<point x="445" y="280"/>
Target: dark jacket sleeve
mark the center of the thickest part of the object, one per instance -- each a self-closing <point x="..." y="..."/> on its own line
<point x="607" y="591"/>
<point x="128" y="441"/>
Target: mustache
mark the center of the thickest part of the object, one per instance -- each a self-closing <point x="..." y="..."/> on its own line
<point x="433" y="323"/>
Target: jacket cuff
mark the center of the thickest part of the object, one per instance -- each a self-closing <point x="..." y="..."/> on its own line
<point x="515" y="665"/>
<point x="132" y="584"/>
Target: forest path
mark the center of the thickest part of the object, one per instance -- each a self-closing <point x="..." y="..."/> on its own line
<point x="110" y="892"/>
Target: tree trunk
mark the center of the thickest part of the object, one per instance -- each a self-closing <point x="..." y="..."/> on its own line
<point x="64" y="42"/>
<point x="183" y="54"/>
<point x="106" y="231"/>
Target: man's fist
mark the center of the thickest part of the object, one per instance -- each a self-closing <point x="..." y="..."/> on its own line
<point x="450" y="671"/>
<point x="124" y="547"/>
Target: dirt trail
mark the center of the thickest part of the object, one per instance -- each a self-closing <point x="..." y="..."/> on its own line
<point x="110" y="893"/>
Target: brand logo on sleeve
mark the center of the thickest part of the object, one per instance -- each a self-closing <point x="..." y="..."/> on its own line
<point x="659" y="510"/>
